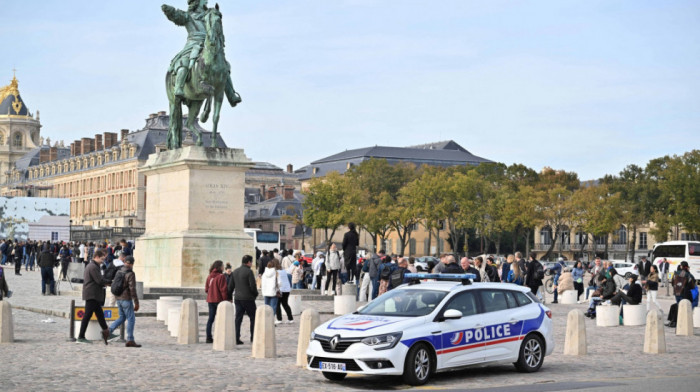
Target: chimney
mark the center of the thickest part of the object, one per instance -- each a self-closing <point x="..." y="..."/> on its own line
<point x="162" y="113"/>
<point x="110" y="140"/>
<point x="290" y="168"/>
<point x="288" y="192"/>
<point x="98" y="142"/>
<point x="43" y="155"/>
<point x="72" y="149"/>
<point x="124" y="133"/>
<point x="78" y="147"/>
<point x="86" y="145"/>
<point x="272" y="192"/>
<point x="53" y="154"/>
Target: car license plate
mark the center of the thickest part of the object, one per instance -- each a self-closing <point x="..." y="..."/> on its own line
<point x="332" y="366"/>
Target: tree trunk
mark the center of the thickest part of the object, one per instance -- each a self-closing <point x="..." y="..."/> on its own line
<point x="632" y="243"/>
<point x="430" y="240"/>
<point x="551" y="247"/>
<point x="527" y="242"/>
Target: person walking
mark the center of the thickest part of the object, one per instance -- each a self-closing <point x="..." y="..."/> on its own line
<point x="534" y="274"/>
<point x="297" y="276"/>
<point x="94" y="296"/>
<point x="351" y="240"/>
<point x="64" y="254"/>
<point x="46" y="263"/>
<point x="18" y="254"/>
<point x="317" y="265"/>
<point x="271" y="285"/>
<point x="216" y="290"/>
<point x="663" y="271"/>
<point x="557" y="270"/>
<point x="577" y="275"/>
<point x="127" y="301"/>
<point x="244" y="290"/>
<point x="285" y="288"/>
<point x="653" y="287"/>
<point x="374" y="262"/>
<point x="333" y="267"/>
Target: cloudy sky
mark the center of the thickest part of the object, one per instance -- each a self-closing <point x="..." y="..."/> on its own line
<point x="588" y="86"/>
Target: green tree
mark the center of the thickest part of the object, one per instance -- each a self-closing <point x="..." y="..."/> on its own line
<point x="680" y="187"/>
<point x="324" y="205"/>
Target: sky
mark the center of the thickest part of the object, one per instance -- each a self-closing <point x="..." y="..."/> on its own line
<point x="586" y="86"/>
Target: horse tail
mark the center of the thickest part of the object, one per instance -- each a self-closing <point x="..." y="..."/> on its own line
<point x="231" y="94"/>
<point x="207" y="109"/>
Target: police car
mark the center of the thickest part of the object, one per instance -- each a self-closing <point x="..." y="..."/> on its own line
<point x="424" y="327"/>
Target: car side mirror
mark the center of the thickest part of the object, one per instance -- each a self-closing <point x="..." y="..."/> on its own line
<point x="452" y="314"/>
<point x="360" y="308"/>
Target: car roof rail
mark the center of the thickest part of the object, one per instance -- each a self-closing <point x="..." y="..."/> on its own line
<point x="415" y="278"/>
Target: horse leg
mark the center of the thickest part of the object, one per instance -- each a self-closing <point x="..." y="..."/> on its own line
<point x="175" y="128"/>
<point x="217" y="111"/>
<point x="192" y="113"/>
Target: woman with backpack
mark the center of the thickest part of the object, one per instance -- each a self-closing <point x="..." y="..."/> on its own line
<point x="534" y="274"/>
<point x="385" y="270"/>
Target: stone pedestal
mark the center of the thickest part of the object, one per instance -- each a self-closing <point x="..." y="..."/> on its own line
<point x="607" y="316"/>
<point x="93" y="331"/>
<point x="224" y="329"/>
<point x="194" y="215"/>
<point x="568" y="297"/>
<point x="349" y="289"/>
<point x="344" y="304"/>
<point x="575" y="340"/>
<point x="163" y="304"/>
<point x="634" y="314"/>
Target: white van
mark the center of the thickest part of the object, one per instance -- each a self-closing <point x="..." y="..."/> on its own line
<point x="677" y="251"/>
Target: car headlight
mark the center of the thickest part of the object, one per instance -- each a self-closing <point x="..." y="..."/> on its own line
<point x="383" y="342"/>
<point x="313" y="335"/>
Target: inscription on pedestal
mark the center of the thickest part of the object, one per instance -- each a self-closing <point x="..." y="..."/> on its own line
<point x="217" y="198"/>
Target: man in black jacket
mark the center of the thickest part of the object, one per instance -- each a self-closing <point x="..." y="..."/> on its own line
<point x="244" y="291"/>
<point x="633" y="296"/>
<point x="262" y="263"/>
<point x="46" y="263"/>
<point x="351" y="240"/>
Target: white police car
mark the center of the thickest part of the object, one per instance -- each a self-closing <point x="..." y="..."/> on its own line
<point x="425" y="327"/>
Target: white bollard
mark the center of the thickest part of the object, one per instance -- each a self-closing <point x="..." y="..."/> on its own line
<point x="607" y="315"/>
<point x="633" y="315"/>
<point x="310" y="319"/>
<point x="696" y="317"/>
<point x="167" y="305"/>
<point x="349" y="289"/>
<point x="224" y="332"/>
<point x="188" y="331"/>
<point x="162" y="307"/>
<point x="93" y="331"/>
<point x="654" y="338"/>
<point x="264" y="343"/>
<point x="575" y="340"/>
<point x="684" y="323"/>
<point x="7" y="325"/>
<point x="344" y="304"/>
<point x="568" y="297"/>
<point x="295" y="304"/>
<point x="174" y="321"/>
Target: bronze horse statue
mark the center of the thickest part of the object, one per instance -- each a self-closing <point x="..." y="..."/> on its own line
<point x="209" y="79"/>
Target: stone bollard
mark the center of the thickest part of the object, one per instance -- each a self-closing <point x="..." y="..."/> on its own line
<point x="633" y="315"/>
<point x="568" y="297"/>
<point x="684" y="324"/>
<point x="344" y="304"/>
<point x="139" y="290"/>
<point x="294" y="302"/>
<point x="607" y="316"/>
<point x="264" y="344"/>
<point x="7" y="325"/>
<point x="310" y="319"/>
<point x="654" y="338"/>
<point x="575" y="340"/>
<point x="188" y="332"/>
<point x="696" y="316"/>
<point x="224" y="332"/>
<point x="349" y="289"/>
<point x="162" y="306"/>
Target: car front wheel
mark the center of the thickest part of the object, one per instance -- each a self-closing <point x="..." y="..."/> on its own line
<point x="334" y="376"/>
<point x="531" y="354"/>
<point x="418" y="365"/>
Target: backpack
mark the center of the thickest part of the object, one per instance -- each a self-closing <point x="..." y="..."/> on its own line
<point x="679" y="282"/>
<point x="322" y="269"/>
<point x="386" y="272"/>
<point x="118" y="283"/>
<point x="539" y="271"/>
<point x="397" y="277"/>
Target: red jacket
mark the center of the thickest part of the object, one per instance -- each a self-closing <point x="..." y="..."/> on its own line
<point x="215" y="287"/>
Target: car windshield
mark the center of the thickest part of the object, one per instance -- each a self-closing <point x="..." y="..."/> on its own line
<point x="404" y="303"/>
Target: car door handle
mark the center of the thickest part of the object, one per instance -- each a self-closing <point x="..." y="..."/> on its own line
<point x="478" y="326"/>
<point x="436" y="332"/>
<point x="513" y="321"/>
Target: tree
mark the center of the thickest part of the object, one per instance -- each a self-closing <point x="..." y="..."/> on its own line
<point x="324" y="206"/>
<point x="681" y="188"/>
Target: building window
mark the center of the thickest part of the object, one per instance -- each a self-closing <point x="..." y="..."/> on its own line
<point x="546" y="235"/>
<point x="283" y="230"/>
<point x="54" y="236"/>
<point x="17" y="140"/>
<point x="642" y="240"/>
<point x="620" y="236"/>
<point x="690" y="237"/>
<point x="411" y="247"/>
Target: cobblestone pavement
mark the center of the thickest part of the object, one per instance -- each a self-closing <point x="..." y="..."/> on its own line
<point x="42" y="360"/>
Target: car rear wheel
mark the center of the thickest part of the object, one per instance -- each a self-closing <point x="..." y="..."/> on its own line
<point x="418" y="365"/>
<point x="628" y="275"/>
<point x="531" y="354"/>
<point x="334" y="376"/>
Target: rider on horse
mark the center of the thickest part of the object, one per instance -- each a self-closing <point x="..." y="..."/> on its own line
<point x="193" y="20"/>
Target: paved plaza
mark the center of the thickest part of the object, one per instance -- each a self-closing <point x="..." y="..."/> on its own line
<point x="42" y="360"/>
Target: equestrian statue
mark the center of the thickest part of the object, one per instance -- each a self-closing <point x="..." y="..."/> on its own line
<point x="199" y="74"/>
